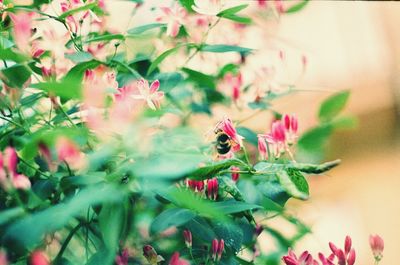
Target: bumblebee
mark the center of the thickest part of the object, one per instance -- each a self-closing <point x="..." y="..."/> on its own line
<point x="223" y="142"/>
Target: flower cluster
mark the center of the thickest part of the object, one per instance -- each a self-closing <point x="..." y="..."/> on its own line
<point x="283" y="134"/>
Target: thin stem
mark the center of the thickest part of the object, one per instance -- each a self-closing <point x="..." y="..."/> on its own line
<point x="67" y="240"/>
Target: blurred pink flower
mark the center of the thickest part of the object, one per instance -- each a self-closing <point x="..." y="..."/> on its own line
<point x="150" y="94"/>
<point x="346" y="256"/>
<point x="3" y="257"/>
<point x="377" y="245"/>
<point x="226" y="125"/>
<point x="195" y="185"/>
<point x="122" y="259"/>
<point x="174" y="17"/>
<point x="22" y="30"/>
<point x="39" y="258"/>
<point x="217" y="248"/>
<point x="233" y="83"/>
<point x="291" y="127"/>
<point x="69" y="152"/>
<point x="8" y="167"/>
<point x="235" y="174"/>
<point x="262" y="148"/>
<point x="175" y="260"/>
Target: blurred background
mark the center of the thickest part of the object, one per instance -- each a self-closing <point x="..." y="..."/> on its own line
<point x="348" y="45"/>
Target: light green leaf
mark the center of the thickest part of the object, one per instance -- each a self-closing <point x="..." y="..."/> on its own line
<point x="79" y="57"/>
<point x="296" y="7"/>
<point x="76" y="10"/>
<point x="332" y="106"/>
<point x="140" y="29"/>
<point x="221" y="48"/>
<point x="294" y="183"/>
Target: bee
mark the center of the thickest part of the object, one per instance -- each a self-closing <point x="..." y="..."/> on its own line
<point x="223" y="142"/>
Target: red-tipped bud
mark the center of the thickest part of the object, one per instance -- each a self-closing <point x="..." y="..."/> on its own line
<point x="235" y="173"/>
<point x="262" y="148"/>
<point x="351" y="258"/>
<point x="188" y="238"/>
<point x="212" y="189"/>
<point x="150" y="254"/>
<point x="347" y="245"/>
<point x="341" y="257"/>
<point x="39" y="258"/>
<point x="214" y="248"/>
<point x="3" y="257"/>
<point x="333" y="248"/>
<point x="221" y="247"/>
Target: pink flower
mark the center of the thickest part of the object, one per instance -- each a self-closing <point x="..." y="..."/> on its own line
<point x="149" y="93"/>
<point x="195" y="185"/>
<point x="174" y="17"/>
<point x="175" y="260"/>
<point x="234" y="83"/>
<point x="227" y="127"/>
<point x="8" y="167"/>
<point x="262" y="148"/>
<point x="377" y="245"/>
<point x="217" y="248"/>
<point x="262" y="3"/>
<point x="151" y="255"/>
<point x="304" y="259"/>
<point x="39" y="258"/>
<point x="122" y="259"/>
<point x="235" y="174"/>
<point x="69" y="152"/>
<point x="22" y="30"/>
<point x="188" y="238"/>
<point x="326" y="261"/>
<point x="3" y="257"/>
<point x="212" y="189"/>
<point x="346" y="257"/>
<point x="291" y="127"/>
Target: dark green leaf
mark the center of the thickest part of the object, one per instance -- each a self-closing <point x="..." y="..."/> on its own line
<point x="111" y="222"/>
<point x="187" y="4"/>
<point x="10" y="214"/>
<point x="332" y="106"/>
<point x="249" y="135"/>
<point x="233" y="206"/>
<point x="169" y="218"/>
<point x="168" y="80"/>
<point x="67" y="89"/>
<point x="16" y="75"/>
<point x="209" y="171"/>
<point x="231" y="234"/>
<point x="201" y="79"/>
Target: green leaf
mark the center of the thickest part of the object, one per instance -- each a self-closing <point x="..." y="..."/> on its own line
<point x="315" y="169"/>
<point x="231" y="233"/>
<point x="228" y="68"/>
<point x="76" y="10"/>
<point x="106" y="37"/>
<point x="187" y="4"/>
<point x="170" y="218"/>
<point x="347" y="122"/>
<point x="140" y="29"/>
<point x="164" y="55"/>
<point x="201" y="79"/>
<point x="249" y="135"/>
<point x="16" y="75"/>
<point x="111" y="222"/>
<point x="79" y="57"/>
<point x="332" y="106"/>
<point x="233" y="206"/>
<point x="209" y="171"/>
<point x="168" y="80"/>
<point x="315" y="138"/>
<point x="8" y="215"/>
<point x="232" y="10"/>
<point x="56" y="217"/>
<point x="66" y="89"/>
<point x="10" y="55"/>
<point x="294" y="183"/>
<point x="296" y="7"/>
<point x="221" y="48"/>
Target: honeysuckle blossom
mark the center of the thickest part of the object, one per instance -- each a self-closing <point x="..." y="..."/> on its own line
<point x="122" y="259"/>
<point x="149" y="93"/>
<point x="174" y="17"/>
<point x="217" y="248"/>
<point x="22" y="30"/>
<point x="304" y="259"/>
<point x="233" y="83"/>
<point x="187" y="235"/>
<point x="8" y="168"/>
<point x="195" y="185"/>
<point x="39" y="258"/>
<point x="262" y="148"/>
<point x="377" y="245"/>
<point x="291" y="127"/>
<point x="74" y="21"/>
<point x="346" y="256"/>
<point x="212" y="189"/>
<point x="208" y="7"/>
<point x="69" y="152"/>
<point x="151" y="255"/>
<point x="176" y="260"/>
<point x="226" y="125"/>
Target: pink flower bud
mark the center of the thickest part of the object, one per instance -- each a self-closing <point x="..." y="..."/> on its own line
<point x="333" y="248"/>
<point x="39" y="258"/>
<point x="221" y="247"/>
<point x="351" y="258"/>
<point x="212" y="189"/>
<point x="150" y="254"/>
<point x="175" y="260"/>
<point x="20" y="181"/>
<point x="11" y="160"/>
<point x="341" y="257"/>
<point x="188" y="238"/>
<point x="262" y="148"/>
<point x="235" y="174"/>
<point x="377" y="245"/>
<point x="278" y="131"/>
<point x="347" y="245"/>
<point x="214" y="248"/>
<point x="122" y="259"/>
<point x="3" y="257"/>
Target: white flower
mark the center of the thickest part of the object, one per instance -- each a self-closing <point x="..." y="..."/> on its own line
<point x="208" y="7"/>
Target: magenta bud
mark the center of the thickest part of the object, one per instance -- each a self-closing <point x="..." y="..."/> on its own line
<point x="214" y="248"/>
<point x="221" y="248"/>
<point x="351" y="259"/>
<point x="188" y="238"/>
<point x="333" y="248"/>
<point x="347" y="245"/>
